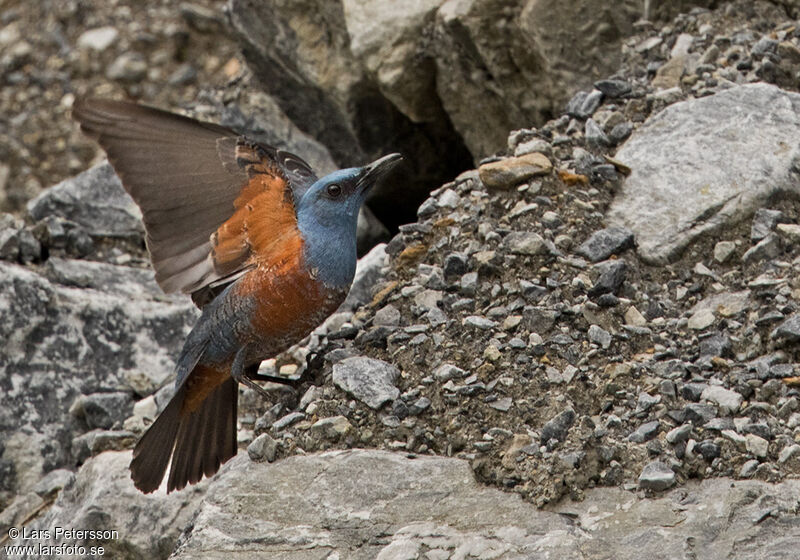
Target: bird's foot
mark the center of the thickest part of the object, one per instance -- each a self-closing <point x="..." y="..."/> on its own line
<point x="253" y="385"/>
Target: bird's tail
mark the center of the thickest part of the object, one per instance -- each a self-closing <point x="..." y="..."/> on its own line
<point x="198" y="441"/>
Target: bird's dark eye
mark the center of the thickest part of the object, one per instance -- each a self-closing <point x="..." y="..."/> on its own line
<point x="334" y="191"/>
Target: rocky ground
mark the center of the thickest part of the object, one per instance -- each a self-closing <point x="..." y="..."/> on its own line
<point x="534" y="341"/>
<point x="53" y="50"/>
<point x="609" y="302"/>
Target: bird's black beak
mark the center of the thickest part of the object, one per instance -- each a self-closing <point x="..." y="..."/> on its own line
<point x="372" y="172"/>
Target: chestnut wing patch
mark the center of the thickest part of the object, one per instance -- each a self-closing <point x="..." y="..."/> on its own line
<point x="264" y="217"/>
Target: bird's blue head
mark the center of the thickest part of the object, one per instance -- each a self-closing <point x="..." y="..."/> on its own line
<point x="327" y="215"/>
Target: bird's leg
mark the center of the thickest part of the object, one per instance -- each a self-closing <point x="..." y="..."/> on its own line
<point x="276" y="379"/>
<point x="238" y="373"/>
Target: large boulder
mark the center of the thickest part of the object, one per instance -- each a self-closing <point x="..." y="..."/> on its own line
<point x="387" y="38"/>
<point x="363" y="504"/>
<point x="702" y="165"/>
<point x="715" y="519"/>
<point x="377" y="504"/>
<point x="102" y="498"/>
<point x="502" y="63"/>
<point x="95" y="200"/>
<point x="302" y="53"/>
<point x="76" y="328"/>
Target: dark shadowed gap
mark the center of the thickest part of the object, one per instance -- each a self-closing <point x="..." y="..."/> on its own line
<point x="435" y="153"/>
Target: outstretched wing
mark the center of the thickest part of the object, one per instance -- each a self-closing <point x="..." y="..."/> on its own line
<point x="211" y="199"/>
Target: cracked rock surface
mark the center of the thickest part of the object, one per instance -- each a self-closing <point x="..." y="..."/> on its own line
<point x="253" y="511"/>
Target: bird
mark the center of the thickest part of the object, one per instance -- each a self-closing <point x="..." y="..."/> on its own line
<point x="265" y="248"/>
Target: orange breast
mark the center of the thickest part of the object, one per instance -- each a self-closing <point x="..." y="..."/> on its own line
<point x="290" y="302"/>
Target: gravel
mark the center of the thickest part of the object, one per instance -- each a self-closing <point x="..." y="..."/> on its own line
<point x="55" y="51"/>
<point x="558" y="427"/>
<point x="613" y="88"/>
<point x="606" y="242"/>
<point x="263" y="448"/>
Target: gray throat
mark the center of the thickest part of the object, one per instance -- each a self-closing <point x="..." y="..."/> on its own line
<point x="330" y="253"/>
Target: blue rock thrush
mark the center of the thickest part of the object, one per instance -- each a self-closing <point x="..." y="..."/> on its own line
<point x="265" y="248"/>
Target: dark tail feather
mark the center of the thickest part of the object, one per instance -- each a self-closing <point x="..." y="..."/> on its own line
<point x="202" y="441"/>
<point x="206" y="438"/>
<point x="152" y="452"/>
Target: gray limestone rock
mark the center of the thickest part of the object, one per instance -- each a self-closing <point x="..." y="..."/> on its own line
<point x="367" y="504"/>
<point x="95" y="200"/>
<point x="455" y="264"/>
<point x="364" y="504"/>
<point x="728" y="401"/>
<point x="723" y="251"/>
<point x="263" y="448"/>
<point x="573" y="108"/>
<point x="727" y="304"/>
<point x="656" y="476"/>
<point x="735" y="534"/>
<point x="679" y="434"/>
<point x="113" y="333"/>
<point x="594" y="135"/>
<point x="558" y="426"/>
<point x="333" y="428"/>
<point x="525" y="57"/>
<point x="524" y="243"/>
<point x="388" y="316"/>
<point x="606" y="242"/>
<point x="103" y="410"/>
<point x="620" y="133"/>
<point x="98" y="39"/>
<point x="446" y="372"/>
<point x="719" y="157"/>
<point x="611" y="276"/>
<point x="370" y="381"/>
<point x="613" y="88"/>
<point x="767" y="248"/>
<point x="599" y="336"/>
<point x="367" y="89"/>
<point x="408" y="77"/>
<point x="30" y="250"/>
<point x="764" y="222"/>
<point x="103" y="498"/>
<point x="699" y="414"/>
<point x="9" y="244"/>
<point x="788" y="331"/>
<point x="645" y="432"/>
<point x="127" y="67"/>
